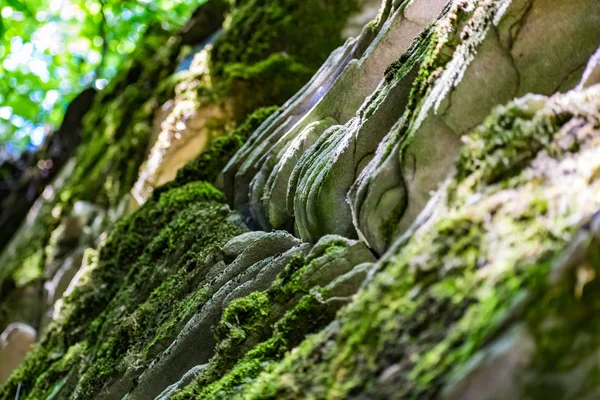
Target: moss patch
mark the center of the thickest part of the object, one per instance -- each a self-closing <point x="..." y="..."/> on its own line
<point x="256" y="331"/>
<point x="448" y="291"/>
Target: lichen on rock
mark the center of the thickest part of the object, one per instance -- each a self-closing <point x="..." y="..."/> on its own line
<point x="487" y="258"/>
<point x="411" y="223"/>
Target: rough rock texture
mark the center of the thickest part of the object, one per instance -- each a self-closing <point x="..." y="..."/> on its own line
<point x="498" y="279"/>
<point x="399" y="145"/>
<point x="223" y="84"/>
<point x="478" y="57"/>
<point x="335" y="92"/>
<point x="420" y="220"/>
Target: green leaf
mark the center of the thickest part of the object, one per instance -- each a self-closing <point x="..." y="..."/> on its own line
<point x="19" y="6"/>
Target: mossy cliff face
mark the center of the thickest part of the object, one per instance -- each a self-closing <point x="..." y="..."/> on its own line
<point x="363" y="161"/>
<point x="260" y="58"/>
<point x="254" y="273"/>
<point x="118" y="128"/>
<point x="104" y="167"/>
<point x="488" y="275"/>
<point x="148" y="267"/>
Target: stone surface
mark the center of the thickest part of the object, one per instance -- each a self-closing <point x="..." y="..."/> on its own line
<point x="591" y="75"/>
<point x="182" y="383"/>
<point x="238" y="244"/>
<point x="254" y="269"/>
<point x="455" y="230"/>
<point x="386" y="200"/>
<point x="14" y="345"/>
<point x="479" y="302"/>
<point x="350" y="81"/>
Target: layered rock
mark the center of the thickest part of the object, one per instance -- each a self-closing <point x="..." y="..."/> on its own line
<point x="299" y="174"/>
<point x="484" y="57"/>
<point x="492" y="295"/>
<point x="223" y="85"/>
<point x="485" y="290"/>
<point x="335" y="93"/>
<point x="256" y="331"/>
<point x="46" y="259"/>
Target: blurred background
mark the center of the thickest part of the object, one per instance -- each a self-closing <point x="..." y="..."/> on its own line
<point x="51" y="49"/>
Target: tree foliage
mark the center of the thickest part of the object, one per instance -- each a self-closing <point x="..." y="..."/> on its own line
<point x="51" y="49"/>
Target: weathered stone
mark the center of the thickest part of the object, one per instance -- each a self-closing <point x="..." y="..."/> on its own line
<point x="238" y="244"/>
<point x="591" y="75"/>
<point x="487" y="290"/>
<point x="277" y="185"/>
<point x="58" y="284"/>
<point x="14" y="345"/>
<point x="254" y="269"/>
<point x="265" y="276"/>
<point x="244" y="165"/>
<point x="486" y="68"/>
<point x="183" y="382"/>
<point x="499" y="282"/>
<point x="323" y="270"/>
<point x="346" y="285"/>
<point x="495" y="372"/>
<point x="347" y="89"/>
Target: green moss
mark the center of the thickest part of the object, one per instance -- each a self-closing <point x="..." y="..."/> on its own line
<point x="256" y="331"/>
<point x="253" y="66"/>
<point x="460" y="278"/>
<point x="143" y="286"/>
<point x="264" y="57"/>
<point x="162" y="289"/>
<point x="457" y="35"/>
<point x="259" y="28"/>
<point x="508" y="141"/>
<point x="271" y="81"/>
<point x="115" y="136"/>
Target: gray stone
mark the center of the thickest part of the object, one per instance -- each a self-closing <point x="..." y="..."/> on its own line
<point x="338" y="89"/>
<point x="420" y="151"/>
<point x="327" y="263"/>
<point x="348" y="284"/>
<point x="238" y="244"/>
<point x="266" y="276"/>
<point x="591" y="75"/>
<point x="185" y="380"/>
<point x="15" y="342"/>
<point x="269" y="188"/>
<point x="254" y="269"/>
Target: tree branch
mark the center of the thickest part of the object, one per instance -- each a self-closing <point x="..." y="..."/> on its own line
<point x="102" y="34"/>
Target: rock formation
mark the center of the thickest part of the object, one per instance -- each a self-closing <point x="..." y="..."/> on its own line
<point x="421" y="219"/>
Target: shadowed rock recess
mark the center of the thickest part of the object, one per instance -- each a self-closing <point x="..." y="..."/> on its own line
<point x="253" y="213"/>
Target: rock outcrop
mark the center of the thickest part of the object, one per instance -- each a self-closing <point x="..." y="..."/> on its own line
<point x="420" y="220"/>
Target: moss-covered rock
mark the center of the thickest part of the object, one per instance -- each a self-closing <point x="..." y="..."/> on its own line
<point x="140" y="291"/>
<point x="256" y="331"/>
<point x="488" y="257"/>
<point x="476" y="60"/>
<point x="351" y="74"/>
<point x="496" y="278"/>
<point x="208" y="165"/>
